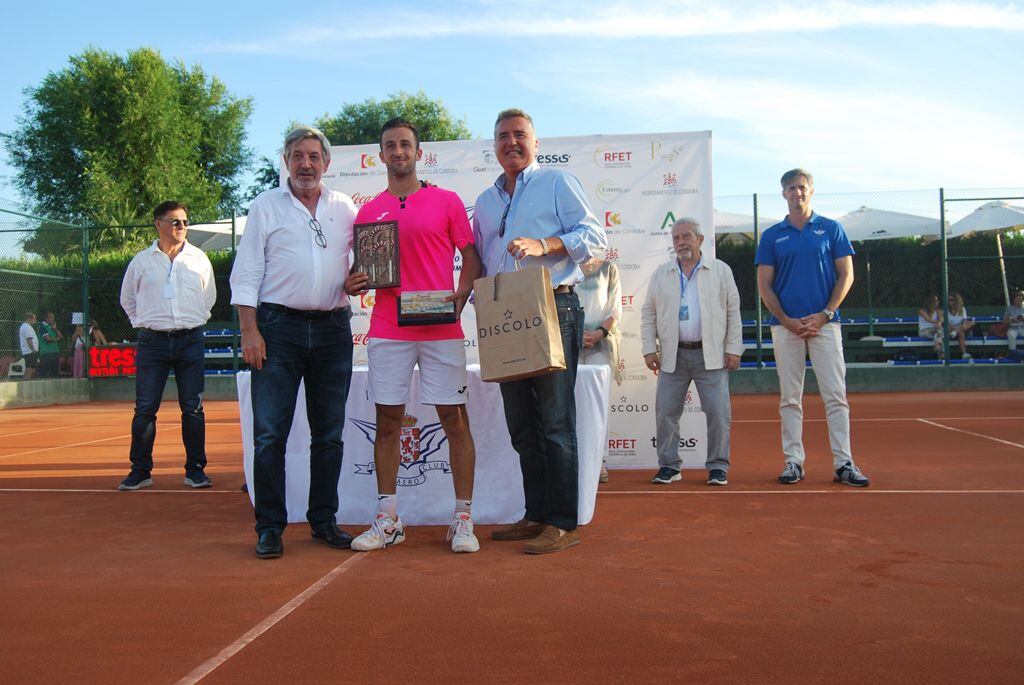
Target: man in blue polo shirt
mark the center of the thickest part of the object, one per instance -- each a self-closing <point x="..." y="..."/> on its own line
<point x="804" y="271"/>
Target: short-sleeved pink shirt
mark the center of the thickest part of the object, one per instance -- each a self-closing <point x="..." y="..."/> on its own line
<point x="431" y="223"/>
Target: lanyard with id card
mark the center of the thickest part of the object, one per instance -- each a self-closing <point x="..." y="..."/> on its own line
<point x="684" y="309"/>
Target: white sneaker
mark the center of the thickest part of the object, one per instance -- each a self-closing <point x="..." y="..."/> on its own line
<point x="384" y="531"/>
<point x="461" y="534"/>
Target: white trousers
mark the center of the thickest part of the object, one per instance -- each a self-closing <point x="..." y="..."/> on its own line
<point x="826" y="353"/>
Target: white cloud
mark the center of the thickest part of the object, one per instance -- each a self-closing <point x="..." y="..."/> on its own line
<point x="859" y="136"/>
<point x="666" y="19"/>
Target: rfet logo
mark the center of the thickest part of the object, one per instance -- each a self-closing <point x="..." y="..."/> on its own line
<point x="367" y="161"/>
<point x="612" y="219"/>
<point x="609" y="158"/>
<point x="416" y="445"/>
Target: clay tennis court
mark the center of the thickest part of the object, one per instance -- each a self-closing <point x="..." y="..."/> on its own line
<point x="919" y="578"/>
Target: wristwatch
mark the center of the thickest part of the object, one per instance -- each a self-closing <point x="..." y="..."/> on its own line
<point x="603" y="330"/>
<point x="544" y="246"/>
<point x="828" y="314"/>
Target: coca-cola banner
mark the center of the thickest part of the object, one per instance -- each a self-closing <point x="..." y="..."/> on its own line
<point x="638" y="185"/>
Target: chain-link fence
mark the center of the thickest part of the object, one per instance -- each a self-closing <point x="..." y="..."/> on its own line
<point x="901" y="264"/>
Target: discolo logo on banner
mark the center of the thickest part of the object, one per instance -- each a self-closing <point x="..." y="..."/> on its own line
<point x="512" y="324"/>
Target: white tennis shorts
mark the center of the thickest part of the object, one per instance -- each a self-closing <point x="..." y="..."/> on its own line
<point x="442" y="371"/>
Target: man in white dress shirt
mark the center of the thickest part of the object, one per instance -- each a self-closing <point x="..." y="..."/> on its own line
<point x="691" y="331"/>
<point x="167" y="293"/>
<point x="288" y="282"/>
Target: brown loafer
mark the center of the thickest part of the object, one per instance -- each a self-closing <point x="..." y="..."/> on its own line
<point x="520" y="530"/>
<point x="553" y="539"/>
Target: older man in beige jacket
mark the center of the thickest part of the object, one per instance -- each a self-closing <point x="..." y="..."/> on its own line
<point x="691" y="331"/>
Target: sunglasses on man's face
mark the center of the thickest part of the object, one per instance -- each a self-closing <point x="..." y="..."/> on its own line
<point x="177" y="223"/>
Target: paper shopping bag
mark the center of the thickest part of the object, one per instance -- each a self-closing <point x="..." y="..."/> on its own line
<point x="517" y="325"/>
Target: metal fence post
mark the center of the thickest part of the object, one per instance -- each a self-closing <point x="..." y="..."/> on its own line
<point x="85" y="300"/>
<point x="234" y="310"/>
<point x="945" y="275"/>
<point x="757" y="293"/>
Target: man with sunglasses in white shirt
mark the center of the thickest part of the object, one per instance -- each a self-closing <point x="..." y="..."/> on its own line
<point x="167" y="293"/>
<point x="288" y="282"/>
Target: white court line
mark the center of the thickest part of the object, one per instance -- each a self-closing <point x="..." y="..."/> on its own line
<point x="60" y="447"/>
<point x="978" y="435"/>
<point x="241" y="643"/>
<point x="789" y="490"/>
<point x="114" y="489"/>
<point x="40" y="430"/>
<point x="908" y="418"/>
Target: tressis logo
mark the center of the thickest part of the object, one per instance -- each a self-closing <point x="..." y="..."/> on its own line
<point x="416" y="445"/>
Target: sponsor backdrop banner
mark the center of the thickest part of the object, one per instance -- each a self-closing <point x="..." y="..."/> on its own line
<point x="638" y="185"/>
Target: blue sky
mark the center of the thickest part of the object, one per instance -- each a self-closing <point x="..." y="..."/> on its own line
<point x="867" y="95"/>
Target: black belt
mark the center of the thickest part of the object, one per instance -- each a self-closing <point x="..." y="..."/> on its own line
<point x="301" y="313"/>
<point x="691" y="345"/>
<point x="180" y="333"/>
<point x="564" y="289"/>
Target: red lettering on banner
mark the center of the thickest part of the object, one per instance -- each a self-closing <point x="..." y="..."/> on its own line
<point x="617" y="156"/>
<point x="627" y="299"/>
<point x="112" y="361"/>
<point x="622" y="443"/>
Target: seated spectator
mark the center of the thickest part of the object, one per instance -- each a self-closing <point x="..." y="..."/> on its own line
<point x="78" y="343"/>
<point x="97" y="335"/>
<point x="959" y="323"/>
<point x="1014" y="320"/>
<point x="929" y="322"/>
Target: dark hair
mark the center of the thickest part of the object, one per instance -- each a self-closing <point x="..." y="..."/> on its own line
<point x="169" y="206"/>
<point x="792" y="174"/>
<point x="399" y="122"/>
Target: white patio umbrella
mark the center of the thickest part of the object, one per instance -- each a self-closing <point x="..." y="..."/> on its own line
<point x="216" y="236"/>
<point x="727" y="222"/>
<point x="996" y="216"/>
<point x="868" y="223"/>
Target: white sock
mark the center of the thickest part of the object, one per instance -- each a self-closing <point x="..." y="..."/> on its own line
<point x="462" y="506"/>
<point x="388" y="504"/>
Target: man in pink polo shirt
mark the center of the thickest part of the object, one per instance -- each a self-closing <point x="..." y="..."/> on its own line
<point x="432" y="224"/>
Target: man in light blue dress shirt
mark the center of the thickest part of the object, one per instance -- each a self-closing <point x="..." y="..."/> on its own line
<point x="540" y="216"/>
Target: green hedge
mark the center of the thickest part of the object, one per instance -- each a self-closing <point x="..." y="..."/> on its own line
<point x="902" y="274"/>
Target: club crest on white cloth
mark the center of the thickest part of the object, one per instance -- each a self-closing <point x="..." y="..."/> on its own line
<point x="416" y="445"/>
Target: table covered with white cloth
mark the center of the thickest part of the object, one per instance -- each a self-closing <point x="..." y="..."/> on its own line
<point x="425" y="491"/>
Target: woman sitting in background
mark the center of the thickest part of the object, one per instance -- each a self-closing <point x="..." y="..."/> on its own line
<point x="959" y="323"/>
<point x="929" y="322"/>
<point x="1014" y="320"/>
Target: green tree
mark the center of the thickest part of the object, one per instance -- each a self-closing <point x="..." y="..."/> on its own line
<point x="107" y="138"/>
<point x="359" y="123"/>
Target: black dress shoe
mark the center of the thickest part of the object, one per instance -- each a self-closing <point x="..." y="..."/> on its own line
<point x="331" y="535"/>
<point x="270" y="545"/>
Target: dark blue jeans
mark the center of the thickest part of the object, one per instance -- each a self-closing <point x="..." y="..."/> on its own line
<point x="317" y="352"/>
<point x="155" y="356"/>
<point x="541" y="417"/>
